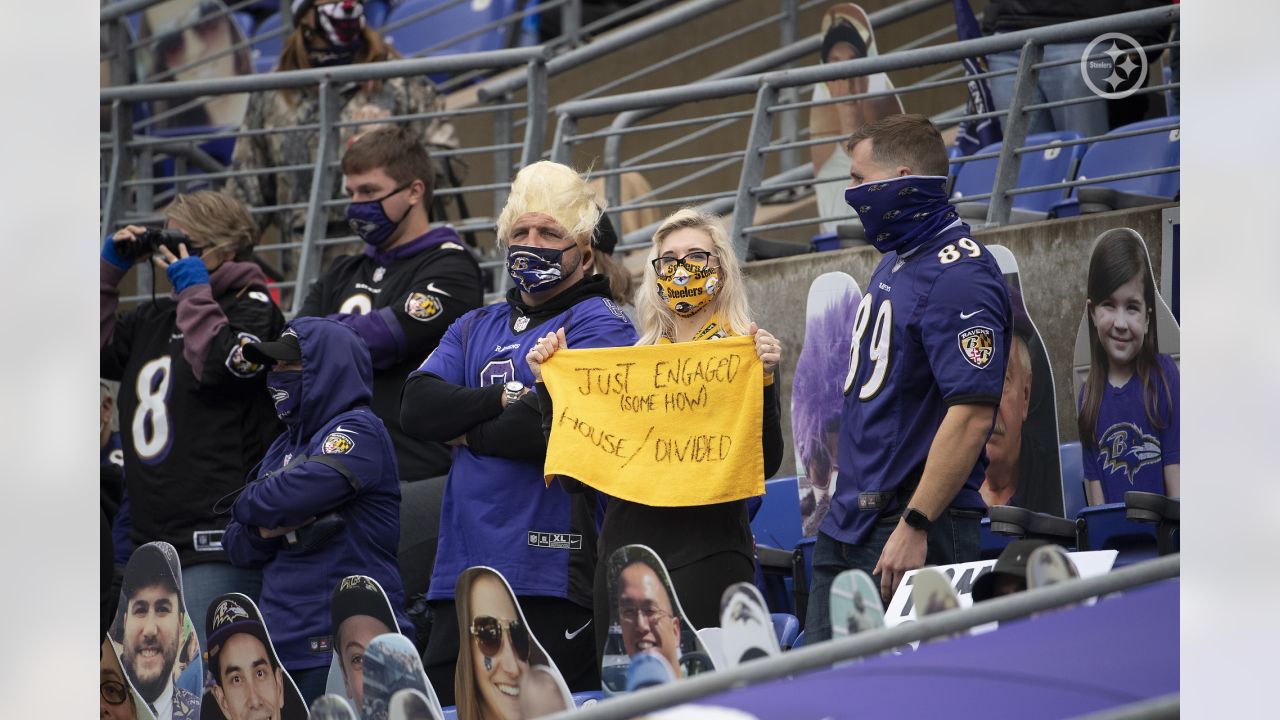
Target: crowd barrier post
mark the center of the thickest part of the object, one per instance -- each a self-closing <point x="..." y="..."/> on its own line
<point x="1015" y="133"/>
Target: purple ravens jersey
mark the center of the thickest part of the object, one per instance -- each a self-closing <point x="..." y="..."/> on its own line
<point x="1130" y="451"/>
<point x="500" y="512"/>
<point x="931" y="331"/>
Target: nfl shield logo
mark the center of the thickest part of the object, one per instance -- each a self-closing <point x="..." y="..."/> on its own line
<point x="978" y="345"/>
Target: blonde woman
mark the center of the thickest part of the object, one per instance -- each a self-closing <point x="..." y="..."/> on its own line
<point x="693" y="290"/>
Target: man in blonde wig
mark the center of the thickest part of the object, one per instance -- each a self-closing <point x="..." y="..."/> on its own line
<point x="473" y="392"/>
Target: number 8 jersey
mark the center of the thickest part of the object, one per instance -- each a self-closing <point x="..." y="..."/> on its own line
<point x="195" y="416"/>
<point x="930" y="332"/>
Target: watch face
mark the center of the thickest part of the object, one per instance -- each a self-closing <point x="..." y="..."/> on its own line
<point x="514" y="386"/>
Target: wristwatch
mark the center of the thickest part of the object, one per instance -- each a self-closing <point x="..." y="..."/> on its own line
<point x="917" y="519"/>
<point x="513" y="391"/>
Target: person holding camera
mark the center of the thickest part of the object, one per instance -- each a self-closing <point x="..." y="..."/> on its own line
<point x="326" y="501"/>
<point x="194" y="417"/>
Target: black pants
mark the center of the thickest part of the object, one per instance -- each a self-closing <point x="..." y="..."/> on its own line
<point x="559" y="625"/>
<point x="698" y="586"/>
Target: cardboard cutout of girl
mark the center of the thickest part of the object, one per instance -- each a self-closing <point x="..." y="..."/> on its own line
<point x="1128" y="402"/>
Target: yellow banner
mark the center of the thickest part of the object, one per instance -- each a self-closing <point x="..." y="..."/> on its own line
<point x="663" y="425"/>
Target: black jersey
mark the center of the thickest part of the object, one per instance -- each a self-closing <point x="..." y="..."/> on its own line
<point x="401" y="302"/>
<point x="195" y="416"/>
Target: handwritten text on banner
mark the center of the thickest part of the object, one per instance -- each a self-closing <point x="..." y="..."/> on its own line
<point x="663" y="425"/>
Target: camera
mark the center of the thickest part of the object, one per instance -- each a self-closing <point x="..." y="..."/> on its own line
<point x="151" y="241"/>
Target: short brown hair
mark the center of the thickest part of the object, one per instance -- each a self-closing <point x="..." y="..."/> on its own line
<point x="215" y="218"/>
<point x="399" y="153"/>
<point x="910" y="140"/>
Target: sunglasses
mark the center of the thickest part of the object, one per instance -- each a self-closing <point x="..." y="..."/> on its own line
<point x="693" y="262"/>
<point x="113" y="692"/>
<point x="487" y="631"/>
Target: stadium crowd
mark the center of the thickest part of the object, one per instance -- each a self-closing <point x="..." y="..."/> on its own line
<point x="274" y="456"/>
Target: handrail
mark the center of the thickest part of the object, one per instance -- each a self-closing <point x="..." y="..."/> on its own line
<point x="314" y="76"/>
<point x="823" y="655"/>
<point x="1152" y="17"/>
<point x="117" y="10"/>
<point x="569" y="112"/>
<point x="767" y="61"/>
<point x="623" y="37"/>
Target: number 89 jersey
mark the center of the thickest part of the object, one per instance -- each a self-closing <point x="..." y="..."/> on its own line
<point x="931" y="331"/>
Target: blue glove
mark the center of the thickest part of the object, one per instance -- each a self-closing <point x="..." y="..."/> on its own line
<point x="109" y="254"/>
<point x="187" y="272"/>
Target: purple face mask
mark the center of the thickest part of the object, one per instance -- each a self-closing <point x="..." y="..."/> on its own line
<point x="369" y="220"/>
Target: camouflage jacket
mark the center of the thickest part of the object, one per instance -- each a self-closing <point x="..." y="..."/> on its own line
<point x="270" y="110"/>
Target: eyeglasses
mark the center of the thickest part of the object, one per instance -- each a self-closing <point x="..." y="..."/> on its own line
<point x="652" y="614"/>
<point x="487" y="631"/>
<point x="113" y="692"/>
<point x="693" y="262"/>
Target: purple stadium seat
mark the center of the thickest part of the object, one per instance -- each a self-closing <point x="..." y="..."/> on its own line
<point x="1128" y="154"/>
<point x="267" y="47"/>
<point x="437" y="29"/>
<point x="1051" y="165"/>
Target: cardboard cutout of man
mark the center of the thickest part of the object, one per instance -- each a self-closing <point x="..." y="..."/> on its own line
<point x="248" y="680"/>
<point x="148" y="629"/>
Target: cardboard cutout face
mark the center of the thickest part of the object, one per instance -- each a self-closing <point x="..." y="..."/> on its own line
<point x="847" y="35"/>
<point x="816" y="393"/>
<point x="249" y="683"/>
<point x="392" y="664"/>
<point x="361" y="612"/>
<point x="645" y="617"/>
<point x="192" y="40"/>
<point x="152" y="627"/>
<point x="503" y="672"/>
<point x="1024" y="469"/>
<point x="117" y="700"/>
<point x="1127" y="332"/>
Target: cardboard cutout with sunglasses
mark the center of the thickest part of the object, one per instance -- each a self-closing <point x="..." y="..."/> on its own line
<point x="645" y="617"/>
<point x="503" y="672"/>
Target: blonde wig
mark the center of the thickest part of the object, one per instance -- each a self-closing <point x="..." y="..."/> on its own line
<point x="730" y="303"/>
<point x="556" y="190"/>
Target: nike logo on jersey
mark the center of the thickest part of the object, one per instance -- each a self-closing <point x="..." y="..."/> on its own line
<point x="966" y="316"/>
<point x="175" y="336"/>
<point x="571" y="635"/>
<point x="342" y="429"/>
<point x="431" y="287"/>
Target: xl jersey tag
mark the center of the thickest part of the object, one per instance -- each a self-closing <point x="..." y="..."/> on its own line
<point x="207" y="540"/>
<point x="555" y="541"/>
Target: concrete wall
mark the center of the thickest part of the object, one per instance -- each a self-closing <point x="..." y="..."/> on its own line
<point x="1053" y="261"/>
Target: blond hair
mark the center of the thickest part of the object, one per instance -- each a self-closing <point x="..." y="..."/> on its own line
<point x="730" y="303"/>
<point x="215" y="219"/>
<point x="556" y="190"/>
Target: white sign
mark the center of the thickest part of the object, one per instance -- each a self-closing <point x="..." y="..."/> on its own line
<point x="962" y="576"/>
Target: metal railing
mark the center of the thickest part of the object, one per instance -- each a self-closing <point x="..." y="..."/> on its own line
<point x="824" y="655"/>
<point x="133" y="191"/>
<point x="767" y="89"/>
<point x="120" y="45"/>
